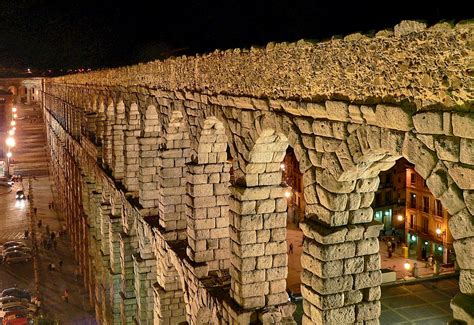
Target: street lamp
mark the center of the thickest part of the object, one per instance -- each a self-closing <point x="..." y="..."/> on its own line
<point x="442" y="233"/>
<point x="10" y="142"/>
<point x="14" y="109"/>
<point x="11" y="132"/>
<point x="400" y="217"/>
<point x="12" y="123"/>
<point x="9" y="155"/>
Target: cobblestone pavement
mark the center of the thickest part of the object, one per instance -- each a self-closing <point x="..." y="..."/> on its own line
<point x="420" y="303"/>
<point x="15" y="218"/>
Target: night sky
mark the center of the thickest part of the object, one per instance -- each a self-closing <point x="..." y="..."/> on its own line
<point x="72" y="34"/>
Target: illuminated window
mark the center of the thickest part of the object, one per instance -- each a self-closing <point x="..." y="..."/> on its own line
<point x="413" y="200"/>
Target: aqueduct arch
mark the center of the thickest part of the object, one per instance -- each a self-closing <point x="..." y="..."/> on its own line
<point x="184" y="245"/>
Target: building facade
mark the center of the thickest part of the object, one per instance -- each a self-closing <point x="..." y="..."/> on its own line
<point x="408" y="210"/>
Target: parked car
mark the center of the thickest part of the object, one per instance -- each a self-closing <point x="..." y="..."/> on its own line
<point x="13" y="243"/>
<point x="16" y="292"/>
<point x="20" y="248"/>
<point x="16" y="257"/>
<point x="11" y="299"/>
<point x="16" y="317"/>
<point x="23" y="306"/>
<point x="20" y="195"/>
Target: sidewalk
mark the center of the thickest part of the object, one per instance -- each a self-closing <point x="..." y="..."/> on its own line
<point x="397" y="264"/>
<point x="53" y="283"/>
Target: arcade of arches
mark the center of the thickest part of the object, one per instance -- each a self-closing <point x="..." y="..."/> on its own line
<point x="141" y="159"/>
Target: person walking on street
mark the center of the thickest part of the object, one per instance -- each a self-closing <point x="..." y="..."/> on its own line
<point x="66" y="295"/>
<point x="40" y="223"/>
<point x="35" y="209"/>
<point x="389" y="248"/>
<point x="291" y="249"/>
<point x="26" y="233"/>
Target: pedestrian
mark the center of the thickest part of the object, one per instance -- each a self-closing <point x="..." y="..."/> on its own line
<point x="49" y="206"/>
<point x="40" y="223"/>
<point x="35" y="209"/>
<point x="291" y="248"/>
<point x="53" y="235"/>
<point x="66" y="295"/>
<point x="430" y="261"/>
<point x="415" y="270"/>
<point x="389" y="248"/>
<point x="61" y="263"/>
<point x="26" y="233"/>
<point x="423" y="253"/>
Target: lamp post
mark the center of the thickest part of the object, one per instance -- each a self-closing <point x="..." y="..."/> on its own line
<point x="444" y="240"/>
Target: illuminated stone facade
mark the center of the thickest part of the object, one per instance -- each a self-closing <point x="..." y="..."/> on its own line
<point x="140" y="158"/>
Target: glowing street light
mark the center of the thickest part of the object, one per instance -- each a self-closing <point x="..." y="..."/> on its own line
<point x="400" y="217"/>
<point x="10" y="142"/>
<point x="14" y="109"/>
<point x="288" y="194"/>
<point x="9" y="154"/>
<point x="12" y="123"/>
<point x="407" y="266"/>
<point x="15" y="116"/>
<point x="11" y="132"/>
<point x="438" y="231"/>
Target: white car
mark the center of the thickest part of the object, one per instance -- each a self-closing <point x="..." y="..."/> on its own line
<point x="19" y="248"/>
<point x="13" y="243"/>
<point x="16" y="257"/>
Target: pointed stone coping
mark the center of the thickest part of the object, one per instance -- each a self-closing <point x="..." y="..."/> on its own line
<point x="335" y="235"/>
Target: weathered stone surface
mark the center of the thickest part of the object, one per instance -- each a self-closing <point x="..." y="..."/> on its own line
<point x="367" y="279"/>
<point x="429" y="122"/>
<point x="466" y="281"/>
<point x="418" y="154"/>
<point x="463" y="124"/>
<point x="329" y="252"/>
<point x="447" y="148"/>
<point x="467" y="151"/>
<point x="463" y="175"/>
<point x="331" y="201"/>
<point x="323" y="302"/>
<point x="469" y="200"/>
<point x="407" y="27"/>
<point x="368" y="310"/>
<point x="461" y="224"/>
<point x="394" y="117"/>
<point x="465" y="253"/>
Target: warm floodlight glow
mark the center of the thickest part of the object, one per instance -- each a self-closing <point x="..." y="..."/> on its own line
<point x="407" y="266"/>
<point x="15" y="116"/>
<point x="438" y="231"/>
<point x="11" y="132"/>
<point x="400" y="217"/>
<point x="287" y="194"/>
<point x="14" y="109"/>
<point x="12" y="123"/>
<point x="9" y="154"/>
<point x="10" y="142"/>
<point x="282" y="166"/>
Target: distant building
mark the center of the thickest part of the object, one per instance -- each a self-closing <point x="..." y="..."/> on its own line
<point x="406" y="207"/>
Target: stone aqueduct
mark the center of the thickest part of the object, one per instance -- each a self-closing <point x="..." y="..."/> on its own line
<point x="140" y="160"/>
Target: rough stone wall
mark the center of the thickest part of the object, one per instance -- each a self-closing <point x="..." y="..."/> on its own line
<point x="341" y="146"/>
<point x="428" y="66"/>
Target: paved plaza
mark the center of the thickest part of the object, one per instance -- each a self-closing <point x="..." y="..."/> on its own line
<point x="418" y="303"/>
